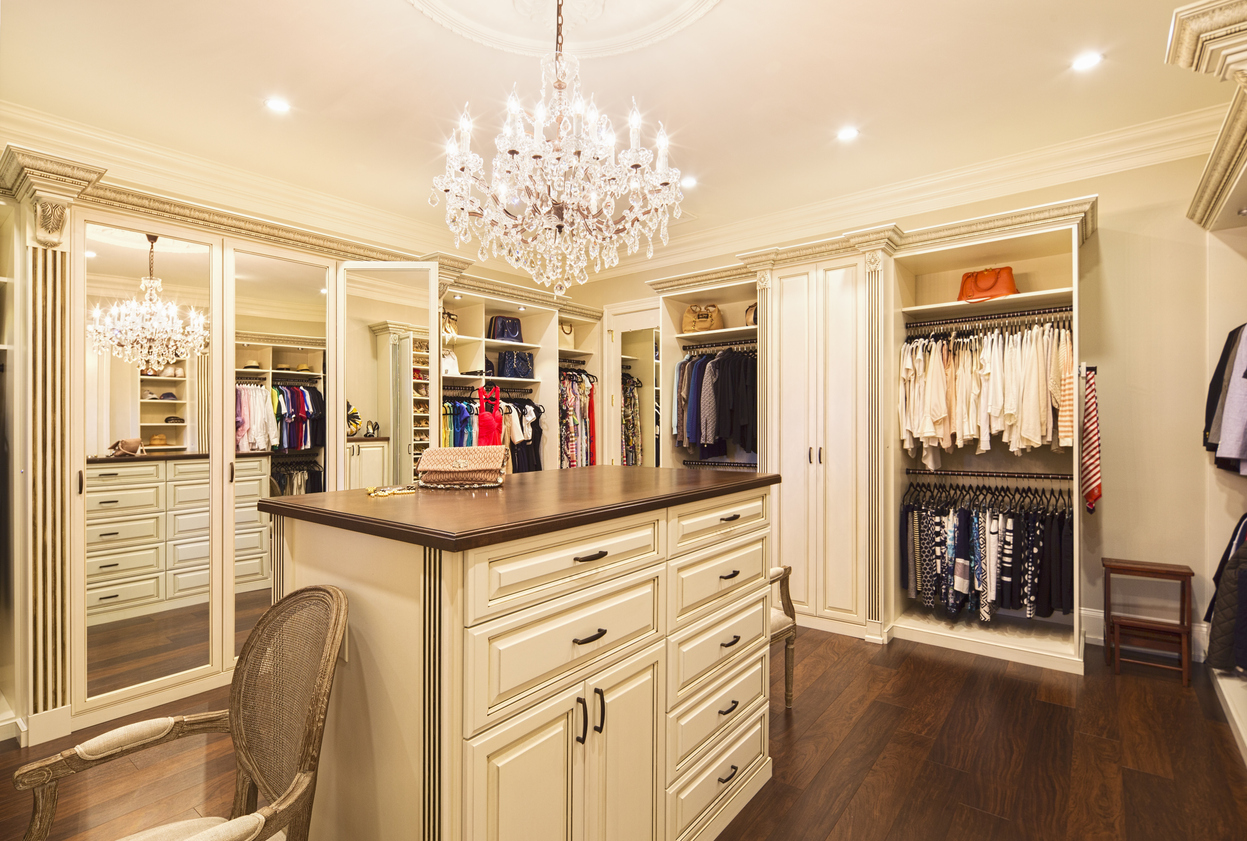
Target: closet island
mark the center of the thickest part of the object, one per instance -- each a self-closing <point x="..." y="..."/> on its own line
<point x="576" y="654"/>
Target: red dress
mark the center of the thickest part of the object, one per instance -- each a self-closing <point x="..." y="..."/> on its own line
<point x="489" y="432"/>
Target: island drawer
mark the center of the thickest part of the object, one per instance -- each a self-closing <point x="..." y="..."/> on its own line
<point x="705" y="645"/>
<point x="718" y="776"/>
<point x="698" y="524"/>
<point x="705" y="579"/>
<point x="715" y="709"/>
<point x="105" y="565"/>
<point x="188" y="469"/>
<point x="520" y="573"/>
<point x="530" y="653"/>
<point x="123" y="501"/>
<point x="125" y="473"/>
<point x="189" y="523"/>
<point x="127" y="593"/>
<point x="189" y="494"/>
<point x="187" y="582"/>
<point x="105" y="533"/>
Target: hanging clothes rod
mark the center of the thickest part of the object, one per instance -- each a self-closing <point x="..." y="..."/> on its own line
<point x="742" y="465"/>
<point x="977" y="319"/>
<point x="992" y="474"/>
<point x="626" y="367"/>
<point x="749" y="345"/>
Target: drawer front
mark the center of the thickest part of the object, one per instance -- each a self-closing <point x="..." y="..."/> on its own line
<point x="187" y="582"/>
<point x="250" y="542"/>
<point x="703" y="646"/>
<point x="520" y="573"/>
<point x="704" y="523"/>
<point x="185" y="553"/>
<point x="107" y="565"/>
<point x="189" y="469"/>
<point x="125" y="473"/>
<point x="126" y="593"/>
<point x="123" y="501"/>
<point x="107" y="533"/>
<point x="250" y="487"/>
<point x="709" y="577"/>
<point x="251" y="569"/>
<point x="188" y="494"/>
<point x="714" y="710"/>
<point x="248" y="516"/>
<point x="718" y="777"/>
<point x="189" y="523"/>
<point x="526" y="654"/>
<point x="251" y="466"/>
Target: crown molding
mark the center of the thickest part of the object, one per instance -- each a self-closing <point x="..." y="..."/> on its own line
<point x="1160" y="141"/>
<point x="386" y="328"/>
<point x="725" y="276"/>
<point x="1209" y="37"/>
<point x="1225" y="165"/>
<point x="770" y="258"/>
<point x="1083" y="212"/>
<point x="503" y="291"/>
<point x="314" y="342"/>
<point x="584" y="312"/>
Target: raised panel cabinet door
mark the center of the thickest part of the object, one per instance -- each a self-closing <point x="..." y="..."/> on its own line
<point x="374" y="464"/>
<point x="524" y="776"/>
<point x="624" y="754"/>
<point x="354" y="469"/>
<point x="800" y="400"/>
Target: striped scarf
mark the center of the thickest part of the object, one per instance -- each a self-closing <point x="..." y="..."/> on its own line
<point x="1091" y="489"/>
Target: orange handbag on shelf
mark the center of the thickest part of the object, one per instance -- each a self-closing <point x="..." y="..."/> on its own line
<point x="987" y="284"/>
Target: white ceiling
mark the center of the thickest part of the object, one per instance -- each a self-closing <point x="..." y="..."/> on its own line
<point x="752" y="92"/>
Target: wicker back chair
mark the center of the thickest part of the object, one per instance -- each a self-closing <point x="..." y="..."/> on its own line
<point x="276" y="718"/>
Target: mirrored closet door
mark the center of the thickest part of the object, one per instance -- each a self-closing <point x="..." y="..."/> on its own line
<point x="146" y="400"/>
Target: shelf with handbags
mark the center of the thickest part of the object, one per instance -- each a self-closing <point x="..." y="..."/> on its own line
<point x="163" y="400"/>
<point x="577" y="340"/>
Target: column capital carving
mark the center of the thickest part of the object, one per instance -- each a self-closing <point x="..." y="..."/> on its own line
<point x="876" y="242"/>
<point x="48" y="185"/>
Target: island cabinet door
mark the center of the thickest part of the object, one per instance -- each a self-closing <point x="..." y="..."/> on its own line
<point x="624" y="756"/>
<point x="524" y="778"/>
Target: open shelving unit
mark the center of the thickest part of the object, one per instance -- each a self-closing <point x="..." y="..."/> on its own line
<point x="151" y="416"/>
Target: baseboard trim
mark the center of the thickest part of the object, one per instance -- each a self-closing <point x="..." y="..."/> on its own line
<point x="847" y="629"/>
<point x="45" y="726"/>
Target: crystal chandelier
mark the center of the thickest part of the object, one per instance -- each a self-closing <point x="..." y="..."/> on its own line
<point x="148" y="332"/>
<point x="559" y="197"/>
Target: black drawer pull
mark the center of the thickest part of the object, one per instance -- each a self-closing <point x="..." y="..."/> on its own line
<point x="597" y="690"/>
<point x="735" y="639"/>
<point x="106" y="598"/>
<point x="730" y="519"/>
<point x="730" y="709"/>
<point x="596" y="556"/>
<point x="108" y="566"/>
<point x="102" y="475"/>
<point x="591" y="638"/>
<point x="733" y="574"/>
<point x="109" y="501"/>
<point x="584" y="731"/>
<point x="109" y="533"/>
<point x="730" y="776"/>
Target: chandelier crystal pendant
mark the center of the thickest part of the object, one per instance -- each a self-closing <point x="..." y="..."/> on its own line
<point x="148" y="332"/>
<point x="559" y="197"/>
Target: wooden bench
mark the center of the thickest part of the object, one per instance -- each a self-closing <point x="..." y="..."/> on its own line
<point x="1151" y="633"/>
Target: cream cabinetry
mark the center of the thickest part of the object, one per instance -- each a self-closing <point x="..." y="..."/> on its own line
<point x="147" y="538"/>
<point x="367" y="463"/>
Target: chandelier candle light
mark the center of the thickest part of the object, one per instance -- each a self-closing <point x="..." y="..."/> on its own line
<point x="555" y="204"/>
<point x="149" y="332"/>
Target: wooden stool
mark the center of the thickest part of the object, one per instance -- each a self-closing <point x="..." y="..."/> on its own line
<point x="1155" y="634"/>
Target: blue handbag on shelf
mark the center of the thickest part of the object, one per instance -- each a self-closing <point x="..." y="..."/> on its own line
<point x="515" y="363"/>
<point x="505" y="328"/>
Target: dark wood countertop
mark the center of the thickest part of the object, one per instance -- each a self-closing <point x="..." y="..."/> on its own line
<point x="527" y="504"/>
<point x="167" y="456"/>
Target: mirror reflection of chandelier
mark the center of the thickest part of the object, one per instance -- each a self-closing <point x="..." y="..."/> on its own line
<point x="148" y="332"/>
<point x="559" y="198"/>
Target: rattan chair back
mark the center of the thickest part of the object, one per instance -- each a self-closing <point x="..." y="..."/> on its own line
<point x="280" y="693"/>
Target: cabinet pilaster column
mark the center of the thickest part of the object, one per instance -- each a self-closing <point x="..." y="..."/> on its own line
<point x="45" y="189"/>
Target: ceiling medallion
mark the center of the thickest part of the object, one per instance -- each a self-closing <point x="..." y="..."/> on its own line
<point x="148" y="332"/>
<point x="554" y="205"/>
<point x="601" y="27"/>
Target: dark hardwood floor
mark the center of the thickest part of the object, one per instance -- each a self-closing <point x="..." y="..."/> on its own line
<point x="902" y="743"/>
<point x="131" y="651"/>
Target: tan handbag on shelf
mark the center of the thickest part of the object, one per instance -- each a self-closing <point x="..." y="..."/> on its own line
<point x="751" y="315"/>
<point x="127" y="447"/>
<point x="700" y="319"/>
<point x="453" y="468"/>
<point x="567" y="336"/>
<point x="159" y="440"/>
<point x="987" y="284"/>
<point x="450" y="327"/>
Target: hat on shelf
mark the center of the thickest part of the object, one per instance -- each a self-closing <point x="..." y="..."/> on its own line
<point x="174" y="419"/>
<point x="159" y="440"/>
<point x="251" y="363"/>
<point x="282" y="366"/>
<point x="168" y="395"/>
<point x="304" y="367"/>
<point x="168" y="371"/>
<point x="179" y="372"/>
<point x="148" y="394"/>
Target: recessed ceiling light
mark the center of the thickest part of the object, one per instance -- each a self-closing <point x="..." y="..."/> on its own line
<point x="324" y="291"/>
<point x="1242" y="211"/>
<point x="1086" y="61"/>
<point x="521" y="309"/>
<point x="276" y="103"/>
<point x="458" y="297"/>
<point x="90" y="254"/>
<point x="847" y="133"/>
<point x="688" y="181"/>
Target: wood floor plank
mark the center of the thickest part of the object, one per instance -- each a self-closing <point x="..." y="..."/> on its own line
<point x="1230" y="764"/>
<point x="1058" y="688"/>
<point x="928" y="686"/>
<point x="813" y="659"/>
<point x="970" y="824"/>
<point x="1041" y="810"/>
<point x="814" y="814"/>
<point x="1153" y="812"/>
<point x="975" y="709"/>
<point x="1209" y="703"/>
<point x="817" y="744"/>
<point x="1206" y="797"/>
<point x="1097" y="700"/>
<point x="894" y="654"/>
<point x="1142" y="705"/>
<point x="788" y="726"/>
<point x="928" y="815"/>
<point x="881" y="796"/>
<point x="1025" y="671"/>
<point x="1096" y="807"/>
<point x="762" y="814"/>
<point x="998" y="745"/>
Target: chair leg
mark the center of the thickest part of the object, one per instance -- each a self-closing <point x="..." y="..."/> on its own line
<point x="790" y="652"/>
